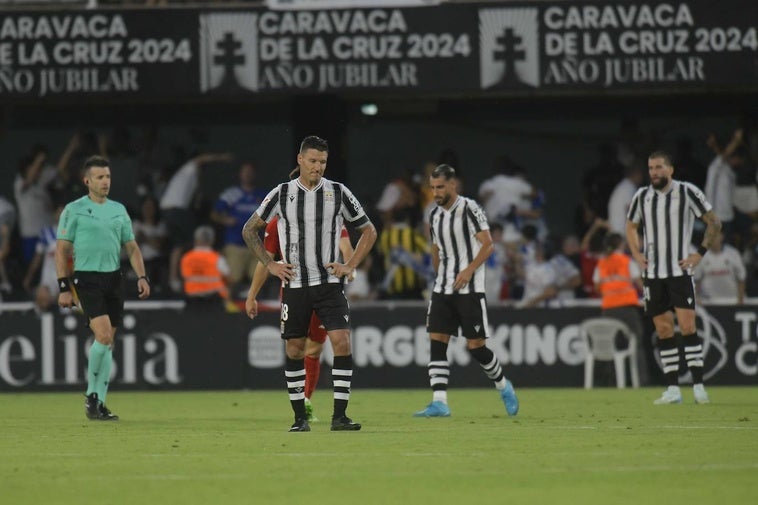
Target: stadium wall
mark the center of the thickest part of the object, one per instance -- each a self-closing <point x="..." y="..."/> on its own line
<point x="161" y="347"/>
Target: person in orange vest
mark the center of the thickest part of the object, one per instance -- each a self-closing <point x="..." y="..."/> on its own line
<point x="617" y="278"/>
<point x="205" y="272"/>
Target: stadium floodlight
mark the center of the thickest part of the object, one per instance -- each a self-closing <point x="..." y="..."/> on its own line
<point x="369" y="109"/>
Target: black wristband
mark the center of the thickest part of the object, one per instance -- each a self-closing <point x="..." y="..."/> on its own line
<point x="701" y="250"/>
<point x="64" y="284"/>
<point x="144" y="277"/>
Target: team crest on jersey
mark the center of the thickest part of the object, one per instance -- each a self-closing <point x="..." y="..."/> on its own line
<point x="329" y="196"/>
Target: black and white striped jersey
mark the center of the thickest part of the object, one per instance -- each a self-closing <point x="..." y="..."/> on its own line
<point x="667" y="220"/>
<point x="309" y="226"/>
<point x="454" y="232"/>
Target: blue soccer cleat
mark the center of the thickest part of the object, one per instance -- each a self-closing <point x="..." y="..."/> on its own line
<point x="434" y="409"/>
<point x="509" y="399"/>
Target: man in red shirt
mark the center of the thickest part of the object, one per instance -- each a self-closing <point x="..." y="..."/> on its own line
<point x="316" y="332"/>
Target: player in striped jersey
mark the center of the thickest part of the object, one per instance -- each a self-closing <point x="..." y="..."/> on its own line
<point x="665" y="211"/>
<point x="311" y="211"/>
<point x="461" y="243"/>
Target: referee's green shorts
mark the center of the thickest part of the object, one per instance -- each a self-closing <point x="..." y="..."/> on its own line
<point x="100" y="294"/>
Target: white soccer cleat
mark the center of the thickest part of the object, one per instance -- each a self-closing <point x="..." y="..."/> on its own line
<point x="701" y="396"/>
<point x="671" y="395"/>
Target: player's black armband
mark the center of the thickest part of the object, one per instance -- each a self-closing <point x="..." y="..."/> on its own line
<point x="701" y="250"/>
<point x="64" y="284"/>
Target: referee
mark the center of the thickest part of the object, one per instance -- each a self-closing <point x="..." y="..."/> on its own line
<point x="92" y="229"/>
<point x="461" y="243"/>
<point x="666" y="211"/>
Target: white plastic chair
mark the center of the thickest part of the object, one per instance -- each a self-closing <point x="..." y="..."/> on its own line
<point x="599" y="334"/>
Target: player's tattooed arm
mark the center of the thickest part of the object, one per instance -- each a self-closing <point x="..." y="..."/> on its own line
<point x="251" y="235"/>
<point x="712" y="228"/>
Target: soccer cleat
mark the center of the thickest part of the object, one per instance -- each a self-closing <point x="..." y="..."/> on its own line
<point x="344" y="423"/>
<point x="701" y="396"/>
<point x="301" y="424"/>
<point x="434" y="409"/>
<point x="105" y="414"/>
<point x="92" y="406"/>
<point x="671" y="395"/>
<point x="309" y="412"/>
<point x="509" y="399"/>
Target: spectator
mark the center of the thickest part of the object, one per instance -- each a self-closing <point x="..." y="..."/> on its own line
<point x="599" y="180"/>
<point x="745" y="193"/>
<point x="45" y="257"/>
<point x="119" y="149"/>
<point x="399" y="201"/>
<point x="7" y="222"/>
<point x="618" y="280"/>
<point x="151" y="234"/>
<point x="404" y="249"/>
<point x="505" y="192"/>
<point x="175" y="205"/>
<point x="68" y="184"/>
<point x="534" y="215"/>
<point x="205" y="273"/>
<point x="540" y="281"/>
<point x="33" y="200"/>
<point x="232" y="210"/>
<point x="567" y="276"/>
<point x="494" y="267"/>
<point x="591" y="252"/>
<point x="689" y="168"/>
<point x="44" y="301"/>
<point x="521" y="254"/>
<point x="621" y="197"/>
<point x="360" y="287"/>
<point x="719" y="183"/>
<point x="720" y="275"/>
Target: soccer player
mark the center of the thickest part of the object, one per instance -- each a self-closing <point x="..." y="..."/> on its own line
<point x="666" y="211"/>
<point x="311" y="211"/>
<point x="92" y="229"/>
<point x="316" y="336"/>
<point x="461" y="243"/>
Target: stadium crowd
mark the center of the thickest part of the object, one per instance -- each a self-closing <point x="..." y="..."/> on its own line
<point x="533" y="264"/>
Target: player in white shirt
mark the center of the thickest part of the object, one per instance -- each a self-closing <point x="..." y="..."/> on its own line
<point x="720" y="275"/>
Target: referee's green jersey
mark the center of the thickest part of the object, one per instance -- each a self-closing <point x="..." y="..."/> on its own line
<point x="97" y="231"/>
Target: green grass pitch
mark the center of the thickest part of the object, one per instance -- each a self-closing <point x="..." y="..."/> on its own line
<point x="566" y="446"/>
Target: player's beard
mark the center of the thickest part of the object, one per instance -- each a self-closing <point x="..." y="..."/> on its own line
<point x="662" y="183"/>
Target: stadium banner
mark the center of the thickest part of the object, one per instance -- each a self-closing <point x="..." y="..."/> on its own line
<point x="459" y="48"/>
<point x="168" y="349"/>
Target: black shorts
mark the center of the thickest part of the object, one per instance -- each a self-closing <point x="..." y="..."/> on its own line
<point x="100" y="294"/>
<point x="662" y="295"/>
<point x="451" y="314"/>
<point x="328" y="301"/>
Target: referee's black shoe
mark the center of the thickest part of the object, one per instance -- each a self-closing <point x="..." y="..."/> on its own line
<point x="91" y="406"/>
<point x="301" y="424"/>
<point x="344" y="423"/>
<point x="106" y="414"/>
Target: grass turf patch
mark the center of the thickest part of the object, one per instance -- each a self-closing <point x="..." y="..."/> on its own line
<point x="565" y="446"/>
